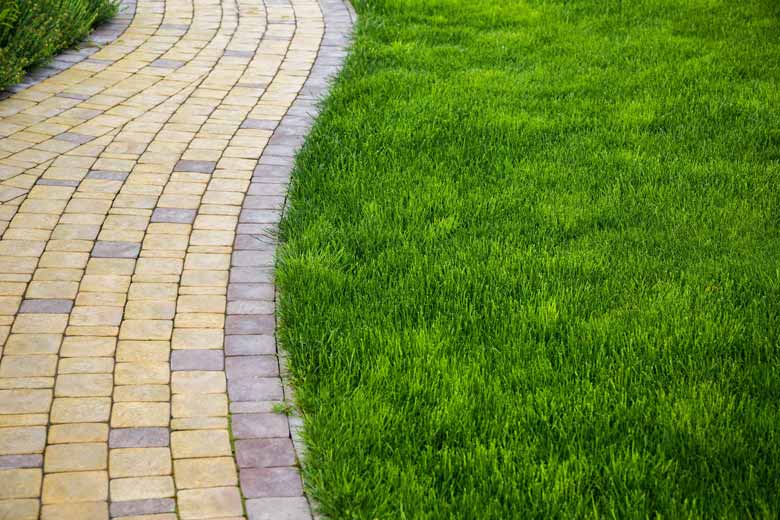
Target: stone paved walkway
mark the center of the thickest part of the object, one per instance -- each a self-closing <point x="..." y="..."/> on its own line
<point x="140" y="185"/>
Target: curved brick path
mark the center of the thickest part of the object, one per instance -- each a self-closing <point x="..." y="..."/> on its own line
<point x="139" y="189"/>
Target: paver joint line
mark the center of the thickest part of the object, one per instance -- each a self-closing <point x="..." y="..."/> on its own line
<point x="141" y="184"/>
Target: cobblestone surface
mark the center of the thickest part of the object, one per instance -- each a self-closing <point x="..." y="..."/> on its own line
<point x="140" y="186"/>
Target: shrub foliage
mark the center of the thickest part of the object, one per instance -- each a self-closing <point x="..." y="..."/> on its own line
<point x="32" y="31"/>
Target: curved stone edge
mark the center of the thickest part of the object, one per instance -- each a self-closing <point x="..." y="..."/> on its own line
<point x="282" y="446"/>
<point x="96" y="40"/>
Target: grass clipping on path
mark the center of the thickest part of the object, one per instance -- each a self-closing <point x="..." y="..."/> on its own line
<point x="532" y="263"/>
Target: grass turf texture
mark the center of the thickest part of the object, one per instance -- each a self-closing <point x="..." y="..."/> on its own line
<point x="532" y="263"/>
<point x="32" y="31"/>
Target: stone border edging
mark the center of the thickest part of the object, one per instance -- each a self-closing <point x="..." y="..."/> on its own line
<point x="269" y="443"/>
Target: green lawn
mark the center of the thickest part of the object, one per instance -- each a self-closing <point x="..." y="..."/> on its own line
<point x="532" y="263"/>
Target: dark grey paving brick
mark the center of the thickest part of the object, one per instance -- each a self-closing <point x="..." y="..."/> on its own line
<point x="250" y="307"/>
<point x="274" y="202"/>
<point x="265" y="188"/>
<point x="251" y="275"/>
<point x="255" y="243"/>
<point x="265" y="170"/>
<point x="270" y="482"/>
<point x="73" y="137"/>
<point x="21" y="461"/>
<point x="107" y="175"/>
<point x="197" y="360"/>
<point x="174" y="215"/>
<point x="80" y="97"/>
<point x="254" y="258"/>
<point x="260" y="216"/>
<point x="106" y="249"/>
<point x="57" y="182"/>
<point x="138" y="438"/>
<point x="167" y="64"/>
<point x="250" y="291"/>
<point x="259" y="425"/>
<point x="241" y="54"/>
<point x="251" y="366"/>
<point x="148" y="506"/>
<point x="250" y="324"/>
<point x="250" y="345"/>
<point x="46" y="306"/>
<point x="260" y="124"/>
<point x="278" y="508"/>
<point x="185" y="165"/>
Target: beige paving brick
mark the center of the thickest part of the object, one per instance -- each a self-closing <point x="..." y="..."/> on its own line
<point x="143" y="351"/>
<point x="139" y="373"/>
<point x="19" y="509"/>
<point x="28" y="366"/>
<point x="209" y="503"/>
<point x="205" y="473"/>
<point x="199" y="405"/>
<point x="75" y="457"/>
<point x="53" y="290"/>
<point x="83" y="486"/>
<point x="84" y="385"/>
<point x="20" y="483"/>
<point x="142" y="393"/>
<point x="198" y="382"/>
<point x="78" y="432"/>
<point x="138" y="462"/>
<point x="200" y="443"/>
<point x="141" y="414"/>
<point x="86" y="365"/>
<point x="197" y="339"/>
<point x="40" y="323"/>
<point x="140" y="488"/>
<point x="88" y="346"/>
<point x="80" y="409"/>
<point x="78" y="511"/>
<point x="22" y="440"/>
<point x="25" y="401"/>
<point x="146" y="329"/>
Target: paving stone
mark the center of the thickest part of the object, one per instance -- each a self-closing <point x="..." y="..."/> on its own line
<point x="79" y="511"/>
<point x="278" y="508"/>
<point x="263" y="453"/>
<point x="21" y="461"/>
<point x="202" y="473"/>
<point x="83" y="486"/>
<point x="148" y="506"/>
<point x="141" y="488"/>
<point x="200" y="443"/>
<point x="20" y="483"/>
<point x="107" y="175"/>
<point x="195" y="166"/>
<point x="259" y="426"/>
<point x="251" y="366"/>
<point x="75" y="457"/>
<point x="197" y="360"/>
<point x="250" y="291"/>
<point x="174" y="215"/>
<point x="104" y="249"/>
<point x="209" y="503"/>
<point x="271" y="482"/>
<point x="19" y="509"/>
<point x="250" y="324"/>
<point x="49" y="306"/>
<point x="138" y="462"/>
<point x="261" y="124"/>
<point x="250" y="344"/>
<point x="139" y="438"/>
